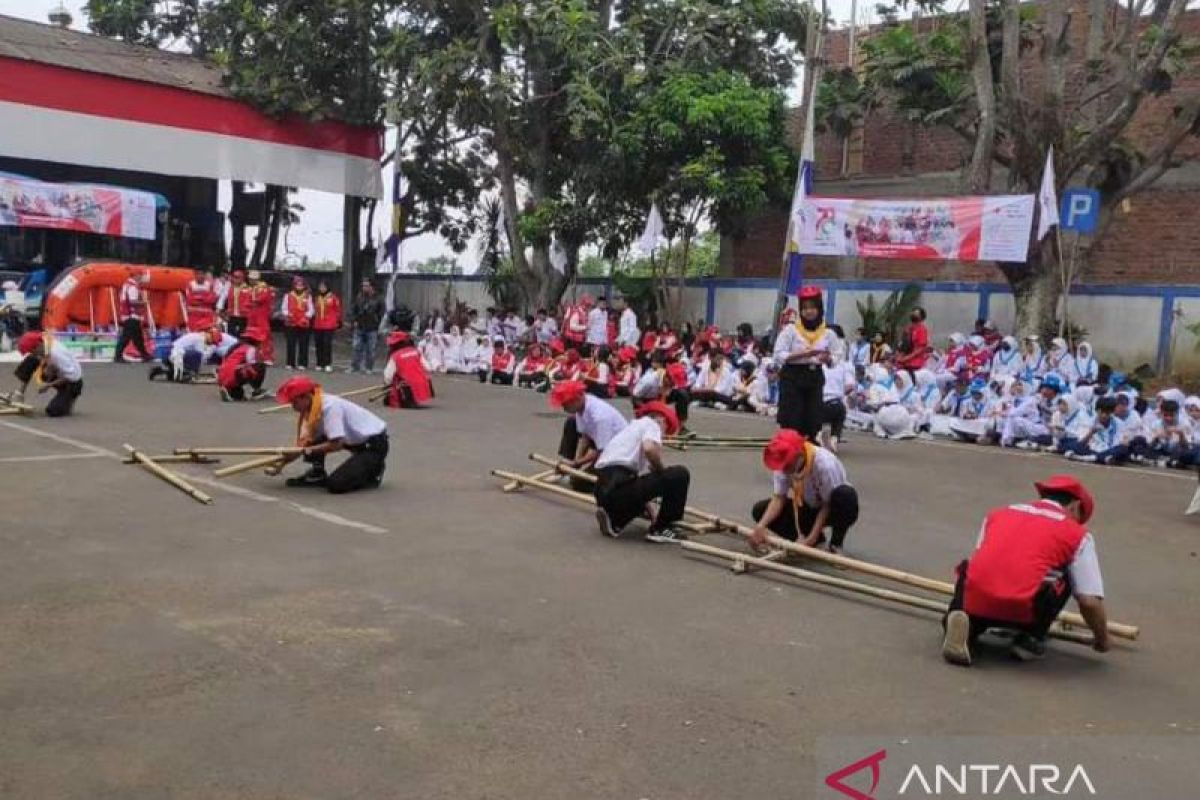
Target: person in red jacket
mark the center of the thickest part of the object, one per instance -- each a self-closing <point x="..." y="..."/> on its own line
<point x="575" y="323"/>
<point x="1029" y="561"/>
<point x="262" y="305"/>
<point x="200" y="298"/>
<point x="914" y="349"/>
<point x="327" y="318"/>
<point x="409" y="383"/>
<point x="298" y="313"/>
<point x="235" y="302"/>
<point x="242" y="368"/>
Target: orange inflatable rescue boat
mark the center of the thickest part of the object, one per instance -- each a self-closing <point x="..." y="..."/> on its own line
<point x="85" y="297"/>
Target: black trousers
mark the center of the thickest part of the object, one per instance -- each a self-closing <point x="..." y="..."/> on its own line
<point x="843" y="513"/>
<point x="364" y="468"/>
<point x="801" y="401"/>
<point x="323" y="344"/>
<point x="251" y="375"/>
<point x="235" y="326"/>
<point x="834" y="414"/>
<point x="297" y="346"/>
<point x="65" y="396"/>
<point x="498" y="378"/>
<point x="709" y="396"/>
<point x="598" y="390"/>
<point x="1049" y="601"/>
<point x="623" y="494"/>
<point x="131" y="331"/>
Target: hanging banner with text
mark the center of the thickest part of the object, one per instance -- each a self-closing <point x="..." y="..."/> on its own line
<point x="934" y="229"/>
<point x="73" y="207"/>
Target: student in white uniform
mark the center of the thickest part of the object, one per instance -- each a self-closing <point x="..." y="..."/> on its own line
<point x="328" y="424"/>
<point x="810" y="492"/>
<point x="630" y="473"/>
<point x="592" y="424"/>
<point x="597" y="326"/>
<point x="628" y="334"/>
<point x="51" y="366"/>
<point x="715" y="381"/>
<point x="190" y="352"/>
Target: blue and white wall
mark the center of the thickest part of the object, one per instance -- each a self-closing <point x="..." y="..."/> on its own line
<point x="1128" y="325"/>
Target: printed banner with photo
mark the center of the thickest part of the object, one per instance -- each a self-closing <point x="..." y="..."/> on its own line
<point x="73" y="207"/>
<point x="935" y="229"/>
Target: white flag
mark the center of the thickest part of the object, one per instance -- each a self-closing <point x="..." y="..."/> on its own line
<point x="654" y="231"/>
<point x="803" y="177"/>
<point x="1047" y="199"/>
<point x="558" y="257"/>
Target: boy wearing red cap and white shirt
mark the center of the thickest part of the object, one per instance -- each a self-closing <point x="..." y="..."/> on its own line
<point x="328" y="424"/>
<point x="592" y="425"/>
<point x="51" y="366"/>
<point x="630" y="473"/>
<point x="1030" y="559"/>
<point x="810" y="493"/>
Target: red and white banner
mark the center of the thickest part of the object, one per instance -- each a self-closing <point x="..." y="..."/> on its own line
<point x="994" y="228"/>
<point x="52" y="113"/>
<point x="76" y="207"/>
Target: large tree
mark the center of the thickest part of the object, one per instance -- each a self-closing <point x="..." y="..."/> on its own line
<point x="1014" y="80"/>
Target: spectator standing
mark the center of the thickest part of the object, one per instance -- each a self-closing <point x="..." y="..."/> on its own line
<point x="327" y="318"/>
<point x="366" y="315"/>
<point x="628" y="334"/>
<point x="298" y="315"/>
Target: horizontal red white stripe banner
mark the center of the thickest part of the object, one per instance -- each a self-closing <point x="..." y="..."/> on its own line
<point x="56" y="114"/>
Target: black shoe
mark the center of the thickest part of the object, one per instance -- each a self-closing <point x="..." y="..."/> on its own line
<point x="606" y="526"/>
<point x="1027" y="648"/>
<point x="119" y="360"/>
<point x="314" y="477"/>
<point x="668" y="535"/>
<point x="155" y="372"/>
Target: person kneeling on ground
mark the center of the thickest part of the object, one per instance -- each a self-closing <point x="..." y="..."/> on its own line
<point x="1029" y="560"/>
<point x="190" y="351"/>
<point x="328" y="424"/>
<point x="810" y="493"/>
<point x="630" y="473"/>
<point x="592" y="425"/>
<point x="242" y="368"/>
<point x="51" y="366"/>
<point x="408" y="382"/>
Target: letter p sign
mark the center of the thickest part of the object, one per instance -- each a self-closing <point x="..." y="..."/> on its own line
<point x="1080" y="210"/>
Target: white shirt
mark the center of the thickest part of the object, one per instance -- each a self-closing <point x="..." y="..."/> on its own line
<point x="839" y="379"/>
<point x="599" y="421"/>
<point x="649" y="386"/>
<point x="628" y="333"/>
<point x="626" y="448"/>
<point x="341" y="419"/>
<point x="826" y="475"/>
<point x="597" y="327"/>
<point x="546" y="329"/>
<point x="789" y="341"/>
<point x="63" y="364"/>
<point x="724" y="383"/>
<point x="190" y="341"/>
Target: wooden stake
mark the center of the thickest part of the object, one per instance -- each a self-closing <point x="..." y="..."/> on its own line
<point x="540" y="476"/>
<point x="526" y="480"/>
<point x="185" y="458"/>
<point x="1118" y="629"/>
<point x="354" y="393"/>
<point x="851" y="586"/>
<point x="246" y="466"/>
<point x="237" y="451"/>
<point x="166" y="475"/>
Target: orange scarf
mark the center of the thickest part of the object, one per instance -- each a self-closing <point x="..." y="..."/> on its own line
<point x="307" y="424"/>
<point x="47" y="343"/>
<point x="811" y="337"/>
<point x="798" y="479"/>
<point x="322" y="299"/>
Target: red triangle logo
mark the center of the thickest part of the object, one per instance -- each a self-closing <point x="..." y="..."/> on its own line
<point x="834" y="779"/>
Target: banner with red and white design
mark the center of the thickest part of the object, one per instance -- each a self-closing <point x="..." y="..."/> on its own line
<point x="993" y="228"/>
<point x="108" y="211"/>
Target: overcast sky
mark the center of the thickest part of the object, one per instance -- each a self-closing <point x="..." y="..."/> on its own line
<point x="319" y="234"/>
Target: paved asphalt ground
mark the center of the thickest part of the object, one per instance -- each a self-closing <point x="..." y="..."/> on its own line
<point x="439" y="639"/>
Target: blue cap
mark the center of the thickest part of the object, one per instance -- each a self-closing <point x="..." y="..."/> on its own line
<point x="1053" y="382"/>
<point x="978" y="385"/>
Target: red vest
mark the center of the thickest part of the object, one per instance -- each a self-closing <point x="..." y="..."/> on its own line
<point x="240" y="300"/>
<point x="1021" y="544"/>
<point x="503" y="361"/>
<point x="534" y="365"/>
<point x="262" y="299"/>
<point x="127" y="309"/>
<point x="410" y="370"/>
<point x="234" y="366"/>
<point x="575" y="324"/>
<point x="201" y="301"/>
<point x="297" y="316"/>
<point x="327" y="311"/>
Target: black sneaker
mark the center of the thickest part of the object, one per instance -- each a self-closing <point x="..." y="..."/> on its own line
<point x="606" y="526"/>
<point x="667" y="535"/>
<point x="1027" y="648"/>
<point x="956" y="645"/>
<point x="259" y="394"/>
<point x="155" y="372"/>
<point x="314" y="477"/>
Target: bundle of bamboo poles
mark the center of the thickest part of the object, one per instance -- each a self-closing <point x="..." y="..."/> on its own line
<point x="722" y="442"/>
<point x="162" y="473"/>
<point x="9" y="406"/>
<point x="354" y="393"/>
<point x="271" y="459"/>
<point x="714" y="523"/>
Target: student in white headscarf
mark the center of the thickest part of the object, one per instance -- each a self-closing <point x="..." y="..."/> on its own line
<point x="1080" y="368"/>
<point x="1071" y="422"/>
<point x="1007" y="359"/>
<point x="892" y="420"/>
<point x="1033" y="361"/>
<point x="926" y="396"/>
<point x="452" y="350"/>
<point x="431" y="352"/>
<point x="1054" y="358"/>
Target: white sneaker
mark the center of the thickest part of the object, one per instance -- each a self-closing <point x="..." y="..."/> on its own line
<point x="1025" y="444"/>
<point x="1070" y="455"/>
<point x="329" y="369"/>
<point x="956" y="644"/>
<point x="289" y="367"/>
<point x="668" y="535"/>
<point x="1090" y="458"/>
<point x="302" y="369"/>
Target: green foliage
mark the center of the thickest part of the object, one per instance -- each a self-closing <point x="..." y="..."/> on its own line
<point x="891" y="316"/>
<point x="436" y="265"/>
<point x="922" y="75"/>
<point x="842" y="102"/>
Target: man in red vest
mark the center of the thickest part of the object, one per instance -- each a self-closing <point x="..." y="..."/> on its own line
<point x="132" y="311"/>
<point x="1029" y="561"/>
<point x="409" y="383"/>
<point x="200" y="298"/>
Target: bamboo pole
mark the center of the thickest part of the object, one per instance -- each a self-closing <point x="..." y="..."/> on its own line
<point x="246" y="466"/>
<point x="540" y="476"/>
<point x="852" y="586"/>
<point x="698" y="438"/>
<point x="237" y="451"/>
<point x="526" y="480"/>
<point x="10" y="412"/>
<point x="7" y="400"/>
<point x="177" y="458"/>
<point x="1118" y="629"/>
<point x="166" y="475"/>
<point x="353" y="393"/>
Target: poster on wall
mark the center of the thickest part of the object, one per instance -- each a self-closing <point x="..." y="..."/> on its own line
<point x="74" y="207"/>
<point x="992" y="228"/>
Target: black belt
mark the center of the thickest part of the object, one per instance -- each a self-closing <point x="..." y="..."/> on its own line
<point x="377" y="442"/>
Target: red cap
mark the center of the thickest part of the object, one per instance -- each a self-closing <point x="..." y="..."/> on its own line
<point x="398" y="337"/>
<point x="257" y="335"/>
<point x="677" y="373"/>
<point x="1070" y="485"/>
<point x="663" y="410"/>
<point x="781" y="452"/>
<point x="557" y="347"/>
<point x="28" y="342"/>
<point x="567" y="392"/>
<point x="627" y="354"/>
<point x="810" y="293"/>
<point x="295" y="387"/>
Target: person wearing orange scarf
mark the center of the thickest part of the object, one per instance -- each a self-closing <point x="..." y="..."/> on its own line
<point x="48" y="364"/>
<point x="810" y="493"/>
<point x="800" y="352"/>
<point x="326" y="424"/>
<point x="298" y="311"/>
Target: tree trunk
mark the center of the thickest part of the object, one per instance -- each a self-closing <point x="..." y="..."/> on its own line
<point x="1036" y="287"/>
<point x="979" y="172"/>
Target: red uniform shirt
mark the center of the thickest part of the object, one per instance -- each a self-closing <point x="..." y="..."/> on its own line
<point x="327" y="311"/>
<point x="200" y="297"/>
